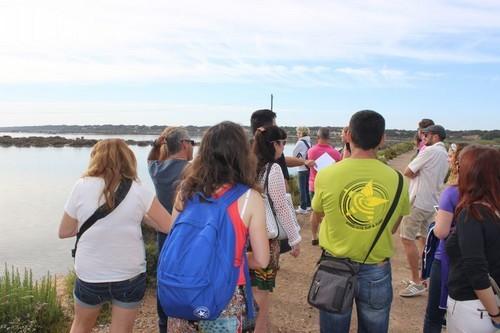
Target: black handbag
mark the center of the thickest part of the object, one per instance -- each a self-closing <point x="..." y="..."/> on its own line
<point x="334" y="283"/>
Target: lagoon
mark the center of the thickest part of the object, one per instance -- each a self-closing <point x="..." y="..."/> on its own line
<point x="35" y="183"/>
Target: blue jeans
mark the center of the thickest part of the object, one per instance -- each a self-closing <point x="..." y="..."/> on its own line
<point x="434" y="316"/>
<point x="162" y="317"/>
<point x="373" y="303"/>
<point x="305" y="200"/>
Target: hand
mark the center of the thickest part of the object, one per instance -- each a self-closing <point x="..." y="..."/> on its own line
<point x="310" y="163"/>
<point x="159" y="141"/>
<point x="495" y="321"/>
<point x="295" y="251"/>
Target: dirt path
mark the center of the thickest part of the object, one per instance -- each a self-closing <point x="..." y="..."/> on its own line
<point x="290" y="312"/>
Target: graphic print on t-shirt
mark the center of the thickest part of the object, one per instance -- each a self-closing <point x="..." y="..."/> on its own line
<point x="363" y="203"/>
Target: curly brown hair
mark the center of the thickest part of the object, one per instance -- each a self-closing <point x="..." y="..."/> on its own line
<point x="224" y="157"/>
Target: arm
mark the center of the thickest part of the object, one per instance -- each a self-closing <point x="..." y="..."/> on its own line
<point x="259" y="257"/>
<point x="154" y="153"/>
<point x="475" y="265"/>
<point x="488" y="299"/>
<point x="409" y="173"/>
<point x="294" y="162"/>
<point x="396" y="225"/>
<point x="443" y="224"/>
<point x="158" y="217"/>
<point x="277" y="193"/>
<point x="68" y="227"/>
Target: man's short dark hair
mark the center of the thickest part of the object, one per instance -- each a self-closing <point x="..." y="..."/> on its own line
<point x="324" y="133"/>
<point x="263" y="117"/>
<point x="425" y="123"/>
<point x="367" y="129"/>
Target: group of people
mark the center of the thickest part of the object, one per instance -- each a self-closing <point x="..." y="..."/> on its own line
<point x="351" y="202"/>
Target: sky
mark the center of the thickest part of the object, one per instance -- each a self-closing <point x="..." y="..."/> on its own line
<point x="193" y="62"/>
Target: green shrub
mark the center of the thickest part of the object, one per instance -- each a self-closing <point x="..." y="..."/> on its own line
<point x="27" y="306"/>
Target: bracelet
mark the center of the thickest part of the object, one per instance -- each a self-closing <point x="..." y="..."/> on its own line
<point x="494" y="316"/>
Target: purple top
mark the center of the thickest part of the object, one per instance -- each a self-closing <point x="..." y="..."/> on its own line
<point x="448" y="202"/>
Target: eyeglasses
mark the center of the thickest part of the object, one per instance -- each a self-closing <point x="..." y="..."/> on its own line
<point x="190" y="141"/>
<point x="282" y="142"/>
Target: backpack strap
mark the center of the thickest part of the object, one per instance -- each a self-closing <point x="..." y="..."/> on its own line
<point x="232" y="194"/>
<point x="389" y="214"/>
<point x="305" y="142"/>
<point x="103" y="211"/>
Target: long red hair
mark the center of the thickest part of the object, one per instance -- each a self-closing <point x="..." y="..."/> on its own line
<point x="479" y="180"/>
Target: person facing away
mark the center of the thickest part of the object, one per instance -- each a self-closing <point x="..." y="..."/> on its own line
<point x="224" y="159"/>
<point x="268" y="145"/>
<point x="170" y="154"/>
<point x="474" y="245"/>
<point x="353" y="198"/>
<point x="266" y="117"/>
<point x="300" y="151"/>
<point x="427" y="173"/>
<point x="110" y="262"/>
<point x="321" y="147"/>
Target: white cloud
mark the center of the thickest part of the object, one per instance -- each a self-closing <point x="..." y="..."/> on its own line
<point x="285" y="41"/>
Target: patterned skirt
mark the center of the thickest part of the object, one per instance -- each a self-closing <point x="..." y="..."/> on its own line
<point x="265" y="279"/>
<point x="230" y="320"/>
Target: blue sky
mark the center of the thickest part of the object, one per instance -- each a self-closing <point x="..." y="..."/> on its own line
<point x="200" y="62"/>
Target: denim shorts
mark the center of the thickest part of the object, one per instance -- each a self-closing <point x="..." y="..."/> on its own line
<point x="125" y="294"/>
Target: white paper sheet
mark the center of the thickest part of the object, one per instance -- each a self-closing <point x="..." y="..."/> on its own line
<point x="324" y="161"/>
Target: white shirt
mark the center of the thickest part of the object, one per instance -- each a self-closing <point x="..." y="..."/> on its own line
<point x="112" y="249"/>
<point x="300" y="150"/>
<point x="431" y="167"/>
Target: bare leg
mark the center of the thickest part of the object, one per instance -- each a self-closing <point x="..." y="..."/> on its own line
<point x="412" y="256"/>
<point x="262" y="320"/>
<point x="122" y="319"/>
<point x="85" y="319"/>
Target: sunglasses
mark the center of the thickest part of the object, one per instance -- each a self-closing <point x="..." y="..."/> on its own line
<point x="190" y="141"/>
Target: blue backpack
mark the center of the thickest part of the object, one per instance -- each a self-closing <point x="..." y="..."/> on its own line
<point x="197" y="270"/>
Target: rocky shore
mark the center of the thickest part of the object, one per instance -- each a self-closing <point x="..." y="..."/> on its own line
<point x="57" y="141"/>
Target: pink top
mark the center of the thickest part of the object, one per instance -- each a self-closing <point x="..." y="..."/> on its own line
<point x="315" y="152"/>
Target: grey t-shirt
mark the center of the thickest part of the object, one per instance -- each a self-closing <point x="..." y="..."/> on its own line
<point x="166" y="176"/>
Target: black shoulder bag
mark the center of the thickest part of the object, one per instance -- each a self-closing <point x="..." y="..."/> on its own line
<point x="103" y="211"/>
<point x="335" y="280"/>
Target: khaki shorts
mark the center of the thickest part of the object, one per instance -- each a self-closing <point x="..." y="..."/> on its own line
<point x="416" y="224"/>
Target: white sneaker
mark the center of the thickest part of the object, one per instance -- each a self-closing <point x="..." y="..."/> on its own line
<point x="413" y="289"/>
<point x="301" y="211"/>
<point x="308" y="209"/>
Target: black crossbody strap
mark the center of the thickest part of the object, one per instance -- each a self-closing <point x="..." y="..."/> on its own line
<point x="103" y="211"/>
<point x="266" y="191"/>
<point x="389" y="214"/>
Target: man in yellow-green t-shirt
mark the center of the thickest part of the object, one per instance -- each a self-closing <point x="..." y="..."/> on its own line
<point x="353" y="197"/>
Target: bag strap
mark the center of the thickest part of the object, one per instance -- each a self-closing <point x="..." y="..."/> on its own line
<point x="103" y="211"/>
<point x="305" y="142"/>
<point x="266" y="191"/>
<point x="389" y="214"/>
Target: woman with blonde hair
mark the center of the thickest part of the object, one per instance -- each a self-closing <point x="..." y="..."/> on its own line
<point x="438" y="279"/>
<point x="110" y="260"/>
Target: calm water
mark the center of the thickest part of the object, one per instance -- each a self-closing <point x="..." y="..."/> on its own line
<point x="34" y="185"/>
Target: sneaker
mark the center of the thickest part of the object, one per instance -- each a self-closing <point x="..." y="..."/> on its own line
<point x="406" y="282"/>
<point x="413" y="289"/>
<point x="301" y="211"/>
<point x="315" y="242"/>
<point x="309" y="209"/>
